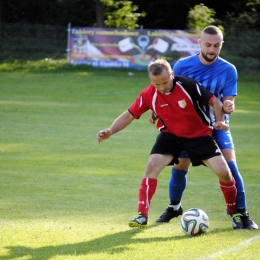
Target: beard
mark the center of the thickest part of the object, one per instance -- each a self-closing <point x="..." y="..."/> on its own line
<point x="208" y="59"/>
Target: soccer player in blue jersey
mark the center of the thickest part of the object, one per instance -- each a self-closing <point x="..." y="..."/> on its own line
<point x="219" y="77"/>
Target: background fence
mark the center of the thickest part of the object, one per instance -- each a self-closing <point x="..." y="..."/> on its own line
<point x="22" y="41"/>
<point x="32" y="42"/>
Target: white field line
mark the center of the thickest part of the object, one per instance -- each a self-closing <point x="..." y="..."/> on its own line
<point x="237" y="247"/>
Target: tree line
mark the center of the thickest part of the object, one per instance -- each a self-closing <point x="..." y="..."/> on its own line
<point x="152" y="14"/>
<point x="26" y="26"/>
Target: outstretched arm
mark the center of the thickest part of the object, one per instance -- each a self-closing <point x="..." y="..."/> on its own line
<point x="120" y="123"/>
<point x="219" y="114"/>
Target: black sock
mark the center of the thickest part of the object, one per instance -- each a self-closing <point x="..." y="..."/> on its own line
<point x="242" y="211"/>
<point x="175" y="202"/>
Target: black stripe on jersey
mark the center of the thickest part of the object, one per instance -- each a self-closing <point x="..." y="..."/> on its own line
<point x="198" y="94"/>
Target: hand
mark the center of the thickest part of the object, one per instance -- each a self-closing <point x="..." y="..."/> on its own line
<point x="104" y="134"/>
<point x="152" y="118"/>
<point x="220" y="125"/>
<point x="228" y="106"/>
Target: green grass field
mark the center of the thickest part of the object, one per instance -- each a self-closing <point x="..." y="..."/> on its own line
<point x="64" y="196"/>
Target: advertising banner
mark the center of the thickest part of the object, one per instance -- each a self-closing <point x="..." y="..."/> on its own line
<point x="122" y="48"/>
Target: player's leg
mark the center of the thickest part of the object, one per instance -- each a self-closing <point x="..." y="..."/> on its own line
<point x="178" y="180"/>
<point x="206" y="150"/>
<point x="148" y="187"/>
<point x="225" y="142"/>
<point x="163" y="153"/>
<point x="227" y="185"/>
<point x="229" y="155"/>
<point x="177" y="185"/>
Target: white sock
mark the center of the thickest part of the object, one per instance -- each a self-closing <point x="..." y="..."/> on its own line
<point x="175" y="207"/>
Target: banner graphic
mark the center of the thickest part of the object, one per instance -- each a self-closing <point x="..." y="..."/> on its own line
<point x="122" y="48"/>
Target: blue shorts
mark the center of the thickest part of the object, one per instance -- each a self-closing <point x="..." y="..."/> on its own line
<point x="223" y="139"/>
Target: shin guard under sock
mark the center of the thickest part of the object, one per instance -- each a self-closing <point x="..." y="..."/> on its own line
<point x="146" y="192"/>
<point x="177" y="184"/>
<point x="230" y="192"/>
<point x="241" y="196"/>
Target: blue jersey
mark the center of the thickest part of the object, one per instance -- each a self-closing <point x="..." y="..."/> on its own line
<point x="220" y="78"/>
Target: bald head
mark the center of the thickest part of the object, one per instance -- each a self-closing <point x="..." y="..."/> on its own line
<point x="212" y="30"/>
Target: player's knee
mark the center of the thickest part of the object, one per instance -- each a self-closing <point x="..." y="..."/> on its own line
<point x="153" y="168"/>
<point x="183" y="165"/>
<point x="224" y="175"/>
<point x="229" y="154"/>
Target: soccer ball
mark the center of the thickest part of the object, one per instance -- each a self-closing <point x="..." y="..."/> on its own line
<point x="194" y="222"/>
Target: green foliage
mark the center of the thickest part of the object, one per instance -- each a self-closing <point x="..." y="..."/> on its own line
<point x="43" y="66"/>
<point x="33" y="66"/>
<point x="121" y="14"/>
<point x="243" y="20"/>
<point x="247" y="57"/>
<point x="201" y="16"/>
<point x="248" y="18"/>
<point x="241" y="30"/>
<point x="49" y="65"/>
<point x="254" y="4"/>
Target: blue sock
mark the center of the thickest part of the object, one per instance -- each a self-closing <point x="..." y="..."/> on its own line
<point x="241" y="196"/>
<point x="177" y="184"/>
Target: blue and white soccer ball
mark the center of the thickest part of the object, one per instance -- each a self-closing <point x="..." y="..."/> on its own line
<point x="194" y="222"/>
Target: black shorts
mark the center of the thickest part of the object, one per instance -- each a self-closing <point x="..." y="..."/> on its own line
<point x="198" y="149"/>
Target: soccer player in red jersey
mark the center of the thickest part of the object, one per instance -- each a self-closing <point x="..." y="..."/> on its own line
<point x="178" y="102"/>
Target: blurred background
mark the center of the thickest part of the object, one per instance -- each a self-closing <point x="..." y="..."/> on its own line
<point x="34" y="30"/>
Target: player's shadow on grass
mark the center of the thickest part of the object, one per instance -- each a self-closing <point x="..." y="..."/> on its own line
<point x="110" y="244"/>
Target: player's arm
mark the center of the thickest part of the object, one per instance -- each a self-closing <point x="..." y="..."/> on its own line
<point x="152" y="118"/>
<point x="229" y="104"/>
<point x="120" y="123"/>
<point x="214" y="102"/>
<point x="219" y="114"/>
<point x="230" y="91"/>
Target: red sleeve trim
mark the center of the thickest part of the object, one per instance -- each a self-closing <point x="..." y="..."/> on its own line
<point x="213" y="96"/>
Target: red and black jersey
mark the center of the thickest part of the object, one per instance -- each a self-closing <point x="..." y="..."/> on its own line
<point x="180" y="112"/>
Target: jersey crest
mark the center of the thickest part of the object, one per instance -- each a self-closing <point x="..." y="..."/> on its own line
<point x="182" y="103"/>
